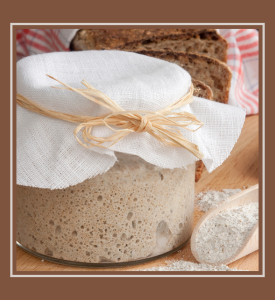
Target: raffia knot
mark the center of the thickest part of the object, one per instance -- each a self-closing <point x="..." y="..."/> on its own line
<point x="144" y="124"/>
<point x="122" y="122"/>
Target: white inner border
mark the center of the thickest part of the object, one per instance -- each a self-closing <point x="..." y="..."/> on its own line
<point x="137" y="24"/>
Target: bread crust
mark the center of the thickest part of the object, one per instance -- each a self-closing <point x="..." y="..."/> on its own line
<point x="199" y="169"/>
<point x="202" y="90"/>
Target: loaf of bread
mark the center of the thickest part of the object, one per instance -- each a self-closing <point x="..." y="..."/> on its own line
<point x="201" y="41"/>
<point x="210" y="71"/>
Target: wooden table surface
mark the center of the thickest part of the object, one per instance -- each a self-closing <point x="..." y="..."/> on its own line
<point x="240" y="170"/>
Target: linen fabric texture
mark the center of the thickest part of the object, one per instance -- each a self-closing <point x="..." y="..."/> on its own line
<point x="49" y="156"/>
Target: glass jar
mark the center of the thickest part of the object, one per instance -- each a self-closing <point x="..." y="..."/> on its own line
<point x="135" y="211"/>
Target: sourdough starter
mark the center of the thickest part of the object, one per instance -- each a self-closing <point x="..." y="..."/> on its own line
<point x="134" y="211"/>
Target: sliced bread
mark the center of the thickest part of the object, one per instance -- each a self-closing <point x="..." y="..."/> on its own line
<point x="202" y="41"/>
<point x="100" y="39"/>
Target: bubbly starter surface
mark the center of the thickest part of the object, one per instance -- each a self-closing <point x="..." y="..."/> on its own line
<point x="134" y="211"/>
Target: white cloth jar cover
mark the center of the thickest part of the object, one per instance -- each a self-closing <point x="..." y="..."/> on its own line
<point x="48" y="155"/>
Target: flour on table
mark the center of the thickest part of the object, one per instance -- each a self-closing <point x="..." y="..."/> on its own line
<point x="181" y="265"/>
<point x="211" y="199"/>
<point x="222" y="235"/>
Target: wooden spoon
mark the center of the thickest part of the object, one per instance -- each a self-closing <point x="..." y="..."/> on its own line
<point x="251" y="243"/>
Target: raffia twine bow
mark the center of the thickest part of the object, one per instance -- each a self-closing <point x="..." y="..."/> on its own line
<point x="127" y="121"/>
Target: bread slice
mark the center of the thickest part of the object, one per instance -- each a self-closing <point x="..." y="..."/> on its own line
<point x="100" y="39"/>
<point x="206" y="41"/>
<point x="203" y="91"/>
<point x="210" y="71"/>
<point x="202" y="41"/>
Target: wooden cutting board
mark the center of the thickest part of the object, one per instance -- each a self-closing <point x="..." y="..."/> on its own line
<point x="240" y="170"/>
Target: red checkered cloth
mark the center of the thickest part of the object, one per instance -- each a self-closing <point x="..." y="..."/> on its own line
<point x="242" y="58"/>
<point x="35" y="41"/>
